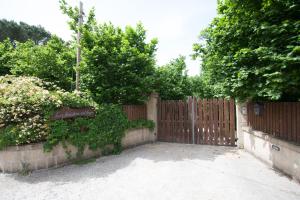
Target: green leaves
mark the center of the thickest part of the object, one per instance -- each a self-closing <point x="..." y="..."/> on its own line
<point x="171" y="80"/>
<point x="251" y="50"/>
<point x="108" y="127"/>
<point x="119" y="64"/>
<point x="26" y="104"/>
<point x="51" y="62"/>
<point x="6" y="49"/>
<point x="22" y="32"/>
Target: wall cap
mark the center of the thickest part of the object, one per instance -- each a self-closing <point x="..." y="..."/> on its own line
<point x="265" y="136"/>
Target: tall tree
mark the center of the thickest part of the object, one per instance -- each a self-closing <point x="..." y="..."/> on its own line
<point x="172" y="82"/>
<point x="200" y="87"/>
<point x="117" y="65"/>
<point x="22" y="32"/>
<point x="252" y="49"/>
<point x="53" y="61"/>
<point x="6" y="49"/>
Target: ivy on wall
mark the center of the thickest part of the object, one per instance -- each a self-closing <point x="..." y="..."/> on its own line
<point x="27" y="103"/>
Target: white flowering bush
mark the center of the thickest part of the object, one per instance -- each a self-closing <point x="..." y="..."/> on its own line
<point x="26" y="104"/>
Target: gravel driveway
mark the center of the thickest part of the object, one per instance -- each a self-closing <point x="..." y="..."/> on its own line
<point x="157" y="171"/>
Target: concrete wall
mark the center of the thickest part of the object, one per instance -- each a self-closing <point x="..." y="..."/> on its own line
<point x="13" y="159"/>
<point x="277" y="153"/>
<point x="241" y="121"/>
<point x="281" y="155"/>
<point x="152" y="112"/>
<point x="137" y="137"/>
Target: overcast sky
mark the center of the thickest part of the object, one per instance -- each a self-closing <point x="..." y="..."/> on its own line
<point x="176" y="23"/>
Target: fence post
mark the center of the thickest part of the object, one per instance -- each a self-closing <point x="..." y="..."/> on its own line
<point x="241" y="121"/>
<point x="152" y="112"/>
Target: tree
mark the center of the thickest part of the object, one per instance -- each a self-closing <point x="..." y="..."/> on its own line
<point x="6" y="49"/>
<point x="117" y="65"/>
<point x="252" y="49"/>
<point x="200" y="88"/>
<point x="172" y="81"/>
<point x="22" y="32"/>
<point x="51" y="62"/>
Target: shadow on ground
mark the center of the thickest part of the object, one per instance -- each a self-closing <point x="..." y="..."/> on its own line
<point x="105" y="166"/>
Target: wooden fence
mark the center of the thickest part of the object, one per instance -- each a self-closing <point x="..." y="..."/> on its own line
<point x="198" y="121"/>
<point x="280" y="119"/>
<point x="135" y="112"/>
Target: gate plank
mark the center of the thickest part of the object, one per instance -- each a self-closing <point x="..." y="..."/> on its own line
<point x="200" y="121"/>
<point x="214" y="121"/>
<point x="226" y="115"/>
<point x="158" y="118"/>
<point x="221" y="121"/>
<point x="205" y="121"/>
<point x="181" y="116"/>
<point x="186" y="122"/>
<point x="232" y="122"/>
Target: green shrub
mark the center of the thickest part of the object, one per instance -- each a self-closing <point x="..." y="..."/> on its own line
<point x="26" y="103"/>
<point x="108" y="127"/>
<point x="141" y="124"/>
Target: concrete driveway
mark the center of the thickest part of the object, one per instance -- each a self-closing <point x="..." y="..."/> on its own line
<point x="157" y="171"/>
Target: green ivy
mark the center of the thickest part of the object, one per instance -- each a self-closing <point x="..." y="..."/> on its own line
<point x="141" y="124"/>
<point x="108" y="127"/>
<point x="26" y="104"/>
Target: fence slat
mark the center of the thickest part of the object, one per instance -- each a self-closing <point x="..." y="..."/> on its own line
<point x="294" y="122"/>
<point x="200" y="121"/>
<point x="221" y="121"/>
<point x="226" y="113"/>
<point x="280" y="119"/>
<point x="214" y="121"/>
<point x="232" y="122"/>
<point x="135" y="112"/>
<point x="298" y="123"/>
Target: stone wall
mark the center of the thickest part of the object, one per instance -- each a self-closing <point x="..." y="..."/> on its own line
<point x="279" y="154"/>
<point x="14" y="159"/>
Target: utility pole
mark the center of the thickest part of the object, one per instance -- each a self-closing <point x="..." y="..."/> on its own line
<point x="78" y="58"/>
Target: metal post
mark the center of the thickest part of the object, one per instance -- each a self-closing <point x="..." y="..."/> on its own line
<point x="78" y="59"/>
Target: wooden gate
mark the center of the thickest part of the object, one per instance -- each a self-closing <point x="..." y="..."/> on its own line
<point x="197" y="121"/>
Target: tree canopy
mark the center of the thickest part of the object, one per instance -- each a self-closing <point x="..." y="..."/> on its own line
<point x="6" y="49"/>
<point x="117" y="64"/>
<point x="53" y="61"/>
<point x="171" y="80"/>
<point x="22" y="32"/>
<point x="251" y="50"/>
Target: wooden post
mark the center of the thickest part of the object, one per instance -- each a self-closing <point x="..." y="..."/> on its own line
<point x="78" y="59"/>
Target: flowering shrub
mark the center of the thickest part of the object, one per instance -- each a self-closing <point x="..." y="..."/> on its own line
<point x="26" y="103"/>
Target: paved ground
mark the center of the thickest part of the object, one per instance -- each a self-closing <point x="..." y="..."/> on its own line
<point x="157" y="171"/>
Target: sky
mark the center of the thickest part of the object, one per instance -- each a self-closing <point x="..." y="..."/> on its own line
<point x="175" y="23"/>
